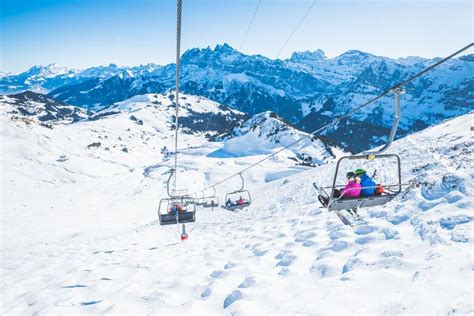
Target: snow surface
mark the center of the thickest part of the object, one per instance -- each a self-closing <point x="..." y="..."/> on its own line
<point x="80" y="235"/>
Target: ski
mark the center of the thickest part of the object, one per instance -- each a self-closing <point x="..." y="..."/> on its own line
<point x="357" y="218"/>
<point x="343" y="219"/>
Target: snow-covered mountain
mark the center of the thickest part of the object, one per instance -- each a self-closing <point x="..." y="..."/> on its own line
<point x="43" y="79"/>
<point x="31" y="107"/>
<point x="307" y="89"/>
<point x="265" y="132"/>
<point x="197" y="115"/>
<point x="80" y="235"/>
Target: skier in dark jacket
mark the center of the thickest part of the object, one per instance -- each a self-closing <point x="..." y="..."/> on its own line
<point x="368" y="185"/>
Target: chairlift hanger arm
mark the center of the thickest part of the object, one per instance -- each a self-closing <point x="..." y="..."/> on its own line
<point x="168" y="184"/>
<point x="393" y="131"/>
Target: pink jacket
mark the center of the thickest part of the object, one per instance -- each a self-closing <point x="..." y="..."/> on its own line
<point x="351" y="190"/>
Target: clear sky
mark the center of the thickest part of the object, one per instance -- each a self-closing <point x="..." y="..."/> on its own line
<point x="84" y="33"/>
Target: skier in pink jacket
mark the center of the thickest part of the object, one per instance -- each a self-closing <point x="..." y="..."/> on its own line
<point x="352" y="188"/>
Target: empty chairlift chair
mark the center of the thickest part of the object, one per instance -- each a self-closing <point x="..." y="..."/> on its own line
<point x="211" y="201"/>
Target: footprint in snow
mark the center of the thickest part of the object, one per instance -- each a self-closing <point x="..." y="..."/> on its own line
<point x="229" y="265"/>
<point x="259" y="253"/>
<point x="351" y="264"/>
<point x="206" y="293"/>
<point x="284" y="271"/>
<point x="364" y="229"/>
<point x="248" y="282"/>
<point x="286" y="258"/>
<point x="390" y="233"/>
<point x="398" y="219"/>
<point x="336" y="234"/>
<point x="363" y="240"/>
<point x="232" y="297"/>
<point x="302" y="236"/>
<point x="320" y="270"/>
<point x="219" y="274"/>
<point x="339" y="245"/>
<point x="450" y="223"/>
<point x="282" y="254"/>
<point x="308" y="243"/>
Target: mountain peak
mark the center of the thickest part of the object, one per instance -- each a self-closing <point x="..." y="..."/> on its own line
<point x="308" y="55"/>
<point x="224" y="48"/>
<point x="49" y="70"/>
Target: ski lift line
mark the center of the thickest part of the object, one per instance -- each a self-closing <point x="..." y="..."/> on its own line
<point x="250" y="25"/>
<point x="178" y="57"/>
<point x="296" y="28"/>
<point x="348" y="114"/>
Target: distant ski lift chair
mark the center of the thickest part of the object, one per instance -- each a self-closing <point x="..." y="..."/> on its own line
<point x="211" y="201"/>
<point x="235" y="196"/>
<point x="176" y="209"/>
<point x="390" y="190"/>
<point x="199" y="201"/>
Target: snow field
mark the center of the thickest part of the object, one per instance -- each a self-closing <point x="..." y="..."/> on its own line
<point x="81" y="235"/>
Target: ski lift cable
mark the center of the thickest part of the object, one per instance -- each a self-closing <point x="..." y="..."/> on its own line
<point x="348" y="114"/>
<point x="279" y="52"/>
<point x="240" y="48"/>
<point x="250" y="25"/>
<point x="296" y="28"/>
<point x="178" y="56"/>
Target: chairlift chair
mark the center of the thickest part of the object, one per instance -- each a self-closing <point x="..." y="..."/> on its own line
<point x="199" y="201"/>
<point x="176" y="209"/>
<point x="210" y="201"/>
<point x="337" y="204"/>
<point x="241" y="193"/>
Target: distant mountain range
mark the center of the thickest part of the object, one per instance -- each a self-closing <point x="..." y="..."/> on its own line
<point x="307" y="90"/>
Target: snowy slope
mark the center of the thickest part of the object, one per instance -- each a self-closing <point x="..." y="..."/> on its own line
<point x="197" y="115"/>
<point x="80" y="235"/>
<point x="273" y="134"/>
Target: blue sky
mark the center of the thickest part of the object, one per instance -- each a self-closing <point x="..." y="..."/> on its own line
<point x="84" y="33"/>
